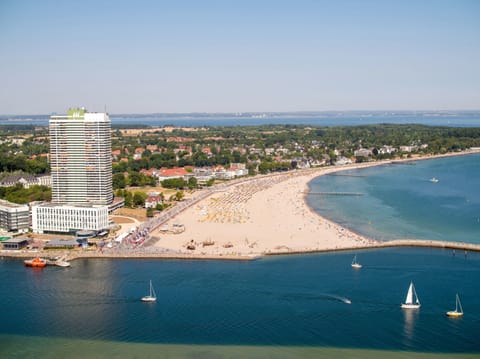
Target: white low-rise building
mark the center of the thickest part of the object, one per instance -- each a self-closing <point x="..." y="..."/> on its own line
<point x="68" y="219"/>
<point x="363" y="152"/>
<point x="386" y="149"/>
<point x="14" y="217"/>
<point x="26" y="180"/>
<point x="408" y="148"/>
<point x="341" y="160"/>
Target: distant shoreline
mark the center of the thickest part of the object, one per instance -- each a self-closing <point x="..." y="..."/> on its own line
<point x="469" y="119"/>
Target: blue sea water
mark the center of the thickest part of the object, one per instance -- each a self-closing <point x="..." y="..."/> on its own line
<point x="284" y="301"/>
<point x="460" y="120"/>
<point x="399" y="201"/>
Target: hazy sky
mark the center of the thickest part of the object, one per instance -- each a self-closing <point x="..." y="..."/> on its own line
<point x="238" y="55"/>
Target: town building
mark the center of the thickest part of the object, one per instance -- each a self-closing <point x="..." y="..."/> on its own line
<point x="15" y="243"/>
<point x="14" y="217"/>
<point x="363" y="152"/>
<point x="153" y="200"/>
<point x="170" y="173"/>
<point x="203" y="175"/>
<point x="26" y="180"/>
<point x="81" y="171"/>
<point x="68" y="219"/>
<point x="80" y="158"/>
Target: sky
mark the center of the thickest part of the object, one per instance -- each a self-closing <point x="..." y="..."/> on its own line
<point x="181" y="56"/>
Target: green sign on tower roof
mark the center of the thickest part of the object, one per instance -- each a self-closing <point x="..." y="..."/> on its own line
<point x="76" y="112"/>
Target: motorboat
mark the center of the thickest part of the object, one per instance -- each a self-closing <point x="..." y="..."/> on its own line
<point x="36" y="262"/>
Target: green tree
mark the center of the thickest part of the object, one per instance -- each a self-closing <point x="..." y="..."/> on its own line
<point x="135" y="179"/>
<point x="118" y="181"/>
<point x="179" y="196"/>
<point x="139" y="199"/>
<point x="192" y="183"/>
<point x="128" y="199"/>
<point x="174" y="183"/>
<point x="150" y="212"/>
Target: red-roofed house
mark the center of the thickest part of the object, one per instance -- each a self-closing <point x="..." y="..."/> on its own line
<point x="151" y="172"/>
<point x="115" y="154"/>
<point x="168" y="173"/>
<point x="152" y="201"/>
<point x="207" y="151"/>
<point x="138" y="153"/>
<point x="182" y="148"/>
<point x="152" y="148"/>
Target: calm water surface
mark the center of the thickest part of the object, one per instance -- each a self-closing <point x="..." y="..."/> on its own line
<point x="295" y="302"/>
<point x="400" y="201"/>
<point x="461" y="120"/>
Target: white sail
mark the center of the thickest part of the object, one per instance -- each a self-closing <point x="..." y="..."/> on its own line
<point x="411" y="301"/>
<point x="458" y="312"/>
<point x="152" y="291"/>
<point x="152" y="297"/>
<point x="458" y="304"/>
<point x="355" y="264"/>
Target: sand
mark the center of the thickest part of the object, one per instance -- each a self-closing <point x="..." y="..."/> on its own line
<point x="269" y="215"/>
<point x="254" y="217"/>
<point x="266" y="215"/>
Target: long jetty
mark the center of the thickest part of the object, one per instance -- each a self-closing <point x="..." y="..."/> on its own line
<point x="335" y="193"/>
<point x="428" y="243"/>
<point x="343" y="175"/>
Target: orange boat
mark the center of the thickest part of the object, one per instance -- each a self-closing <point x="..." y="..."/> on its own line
<point x="35" y="262"/>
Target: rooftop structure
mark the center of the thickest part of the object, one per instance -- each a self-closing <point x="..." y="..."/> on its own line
<point x="15" y="243"/>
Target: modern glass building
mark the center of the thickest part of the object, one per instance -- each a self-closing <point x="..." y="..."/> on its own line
<point x="80" y="158"/>
<point x="69" y="219"/>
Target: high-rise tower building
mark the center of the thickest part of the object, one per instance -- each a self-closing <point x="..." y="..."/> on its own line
<point x="81" y="170"/>
<point x="80" y="158"/>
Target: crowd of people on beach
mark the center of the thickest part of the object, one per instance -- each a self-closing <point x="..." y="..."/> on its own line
<point x="230" y="206"/>
<point x="229" y="203"/>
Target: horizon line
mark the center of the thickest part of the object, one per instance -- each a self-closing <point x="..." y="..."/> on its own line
<point x="242" y="113"/>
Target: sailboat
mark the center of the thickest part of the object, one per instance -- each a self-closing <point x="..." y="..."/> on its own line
<point x="152" y="297"/>
<point x="456" y="312"/>
<point x="411" y="301"/>
<point x="355" y="264"/>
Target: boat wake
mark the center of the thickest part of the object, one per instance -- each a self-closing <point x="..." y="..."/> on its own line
<point x="325" y="296"/>
<point x="336" y="297"/>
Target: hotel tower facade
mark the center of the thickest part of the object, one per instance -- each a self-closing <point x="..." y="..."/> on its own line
<point x="81" y="170"/>
<point x="80" y="158"/>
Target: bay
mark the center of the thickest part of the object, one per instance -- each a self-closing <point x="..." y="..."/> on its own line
<point x="399" y="201"/>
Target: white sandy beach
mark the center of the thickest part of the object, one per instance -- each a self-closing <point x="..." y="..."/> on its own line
<point x="264" y="215"/>
<point x="268" y="215"/>
<point x="255" y="217"/>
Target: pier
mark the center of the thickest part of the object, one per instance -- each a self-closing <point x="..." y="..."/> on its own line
<point x="409" y="163"/>
<point x="343" y="175"/>
<point x="335" y="193"/>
